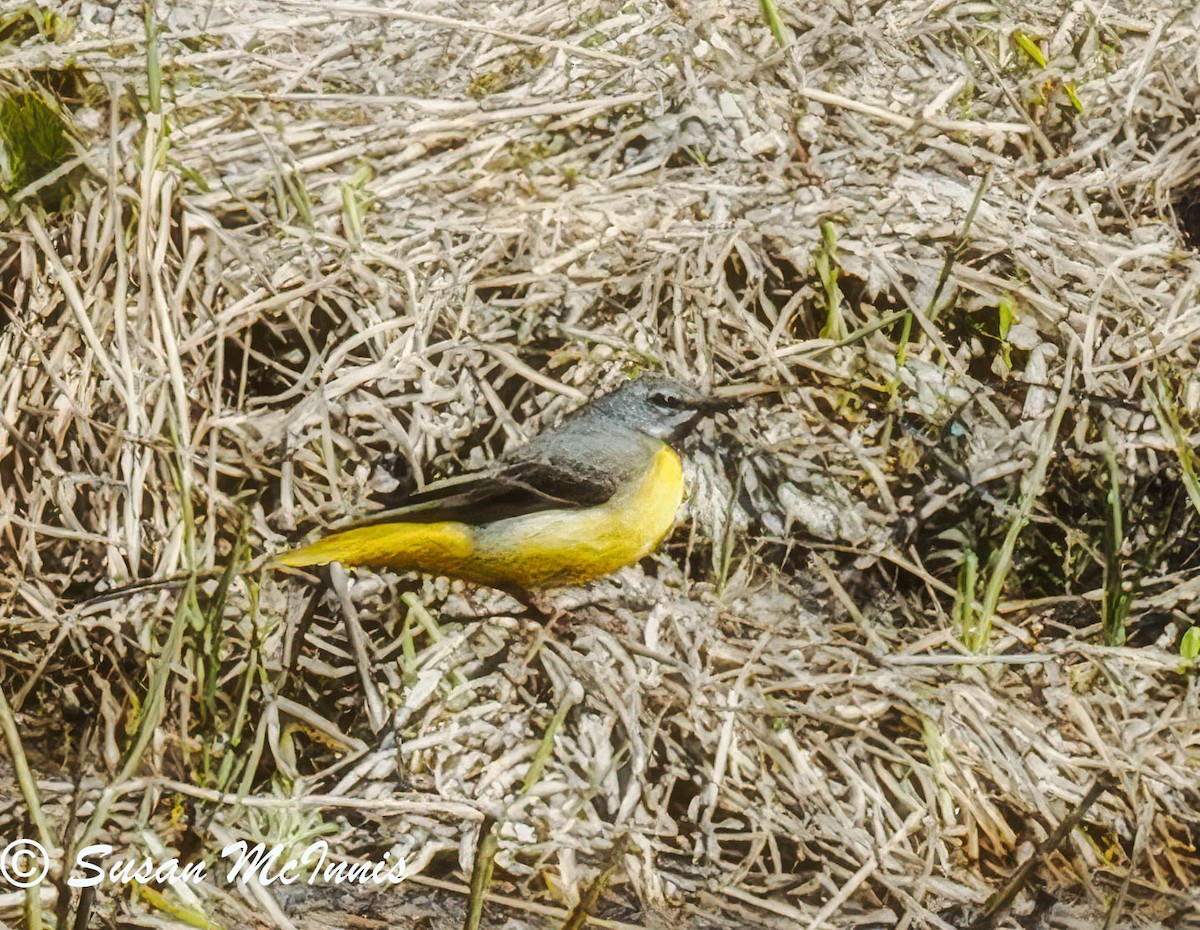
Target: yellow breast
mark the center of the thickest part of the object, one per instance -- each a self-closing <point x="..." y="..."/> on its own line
<point x="548" y="549"/>
<point x="556" y="548"/>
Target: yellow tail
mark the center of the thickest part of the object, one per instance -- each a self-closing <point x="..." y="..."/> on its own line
<point x="437" y="548"/>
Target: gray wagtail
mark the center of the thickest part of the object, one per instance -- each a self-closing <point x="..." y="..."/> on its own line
<point x="575" y="503"/>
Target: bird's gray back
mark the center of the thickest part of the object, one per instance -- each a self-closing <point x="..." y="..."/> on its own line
<point x="590" y="448"/>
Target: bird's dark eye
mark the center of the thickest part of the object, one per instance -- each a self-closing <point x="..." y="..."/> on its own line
<point x="667" y="400"/>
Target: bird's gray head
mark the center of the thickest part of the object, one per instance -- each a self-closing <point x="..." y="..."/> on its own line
<point x="655" y="406"/>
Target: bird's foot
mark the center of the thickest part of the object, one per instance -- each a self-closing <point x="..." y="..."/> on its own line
<point x="543" y="608"/>
<point x="595" y="616"/>
<point x="552" y="616"/>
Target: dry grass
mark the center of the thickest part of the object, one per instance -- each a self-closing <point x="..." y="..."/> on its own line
<point x="309" y="250"/>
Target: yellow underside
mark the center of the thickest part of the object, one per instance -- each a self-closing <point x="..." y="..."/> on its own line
<point x="552" y="548"/>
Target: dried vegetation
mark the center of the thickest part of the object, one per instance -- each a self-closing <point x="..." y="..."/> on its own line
<point x="913" y="658"/>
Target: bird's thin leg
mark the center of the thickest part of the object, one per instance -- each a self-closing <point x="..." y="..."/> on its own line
<point x="551" y="616"/>
<point x="541" y="608"/>
<point x="538" y="605"/>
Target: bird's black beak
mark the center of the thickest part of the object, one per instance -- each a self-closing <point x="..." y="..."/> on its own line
<point x="707" y="406"/>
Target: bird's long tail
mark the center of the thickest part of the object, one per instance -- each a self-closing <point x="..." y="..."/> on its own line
<point x="430" y="547"/>
<point x="440" y="548"/>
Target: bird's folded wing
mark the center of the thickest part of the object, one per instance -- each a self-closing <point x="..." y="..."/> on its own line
<point x="508" y="489"/>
